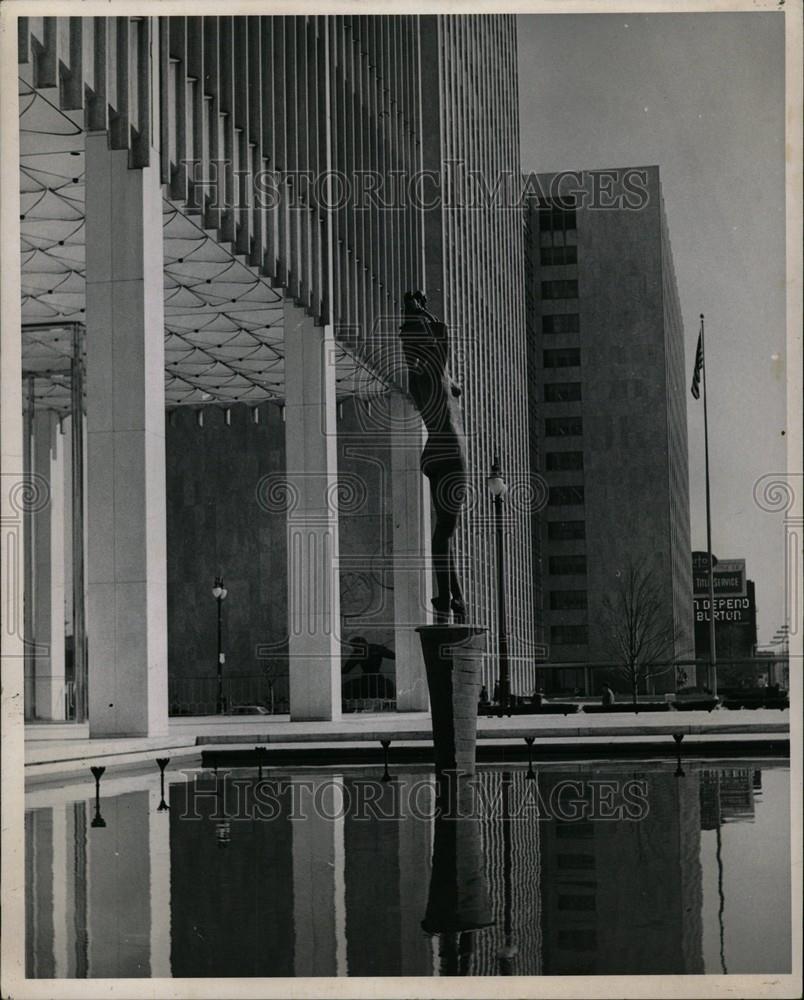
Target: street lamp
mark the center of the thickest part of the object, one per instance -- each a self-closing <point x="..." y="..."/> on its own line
<point x="498" y="489"/>
<point x="219" y="592"/>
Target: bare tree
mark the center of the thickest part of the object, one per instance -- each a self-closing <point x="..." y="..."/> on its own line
<point x="637" y="626"/>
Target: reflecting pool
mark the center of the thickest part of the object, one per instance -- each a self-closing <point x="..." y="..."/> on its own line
<point x="565" y="869"/>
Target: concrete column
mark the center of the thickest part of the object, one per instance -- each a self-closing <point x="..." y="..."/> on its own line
<point x="126" y="572"/>
<point x="312" y="519"/>
<point x="48" y="556"/>
<point x="413" y="585"/>
<point x="12" y="543"/>
<point x="28" y="563"/>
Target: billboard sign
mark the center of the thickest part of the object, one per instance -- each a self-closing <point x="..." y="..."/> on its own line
<point x="729" y="577"/>
<point x="700" y="562"/>
<point x="737" y="610"/>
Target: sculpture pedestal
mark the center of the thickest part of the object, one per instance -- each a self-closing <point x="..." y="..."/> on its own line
<point x="453" y="655"/>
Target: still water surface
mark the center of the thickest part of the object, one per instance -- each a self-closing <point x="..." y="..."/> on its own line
<point x="611" y="869"/>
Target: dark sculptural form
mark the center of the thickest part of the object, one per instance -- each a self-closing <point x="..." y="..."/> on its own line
<point x="425" y="343"/>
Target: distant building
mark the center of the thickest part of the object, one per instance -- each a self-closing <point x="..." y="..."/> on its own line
<point x="608" y="419"/>
<point x="728" y="796"/>
<point x="735" y="609"/>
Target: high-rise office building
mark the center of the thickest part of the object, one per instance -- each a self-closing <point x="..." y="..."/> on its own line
<point x="219" y="220"/>
<point x="475" y="270"/>
<point x="608" y="408"/>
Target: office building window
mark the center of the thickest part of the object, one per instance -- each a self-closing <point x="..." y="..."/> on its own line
<point x="566" y="288"/>
<point x="568" y="600"/>
<point x="569" y="635"/>
<point x="564" y="531"/>
<point x="562" y="392"/>
<point x="558" y="215"/>
<point x="566" y="496"/>
<point x="577" y="939"/>
<point x="559" y="255"/>
<point x="563" y="426"/>
<point x="562" y="357"/>
<point x="561" y="323"/>
<point x="558" y="461"/>
<point x="567" y="565"/>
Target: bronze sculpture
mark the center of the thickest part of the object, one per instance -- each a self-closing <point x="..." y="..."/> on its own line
<point x="425" y="343"/>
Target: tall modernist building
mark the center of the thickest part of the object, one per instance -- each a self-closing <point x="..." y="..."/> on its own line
<point x="475" y="274"/>
<point x="219" y="217"/>
<point x="608" y="414"/>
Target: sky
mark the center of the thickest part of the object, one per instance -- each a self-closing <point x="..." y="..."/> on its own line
<point x="702" y="96"/>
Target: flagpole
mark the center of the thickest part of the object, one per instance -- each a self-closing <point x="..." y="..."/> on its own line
<point x="712" y="646"/>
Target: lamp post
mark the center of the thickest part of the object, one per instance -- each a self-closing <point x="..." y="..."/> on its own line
<point x="219" y="592"/>
<point x="498" y="489"/>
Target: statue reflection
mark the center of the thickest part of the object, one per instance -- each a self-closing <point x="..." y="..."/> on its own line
<point x="458" y="899"/>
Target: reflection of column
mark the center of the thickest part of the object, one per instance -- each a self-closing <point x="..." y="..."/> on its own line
<point x="373" y="907"/>
<point x="159" y="853"/>
<point x="60" y="905"/>
<point x="315" y="901"/>
<point x="312" y="475"/>
<point x="48" y="617"/>
<point x="80" y="907"/>
<point x="339" y="833"/>
<point x="415" y="848"/>
<point x="39" y="894"/>
<point x="118" y="882"/>
<point x="412" y="578"/>
<point x="127" y="600"/>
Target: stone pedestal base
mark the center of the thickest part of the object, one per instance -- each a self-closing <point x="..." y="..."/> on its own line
<point x="453" y="655"/>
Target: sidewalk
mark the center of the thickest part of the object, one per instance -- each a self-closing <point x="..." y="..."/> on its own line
<point x="189" y="736"/>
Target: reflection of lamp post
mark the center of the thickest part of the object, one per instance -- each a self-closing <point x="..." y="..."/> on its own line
<point x="509" y="951"/>
<point x="531" y="775"/>
<point x="498" y="489"/>
<point x="223" y="828"/>
<point x="678" y="737"/>
<point x="98" y="820"/>
<point x="162" y="763"/>
<point x="385" y="774"/>
<point x="219" y="592"/>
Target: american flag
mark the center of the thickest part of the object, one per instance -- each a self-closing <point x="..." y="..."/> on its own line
<point x="695" y="388"/>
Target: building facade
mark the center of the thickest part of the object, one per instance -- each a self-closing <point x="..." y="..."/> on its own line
<point x="475" y="273"/>
<point x="219" y="219"/>
<point x="608" y="415"/>
<point x="735" y="608"/>
<point x="598" y="913"/>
